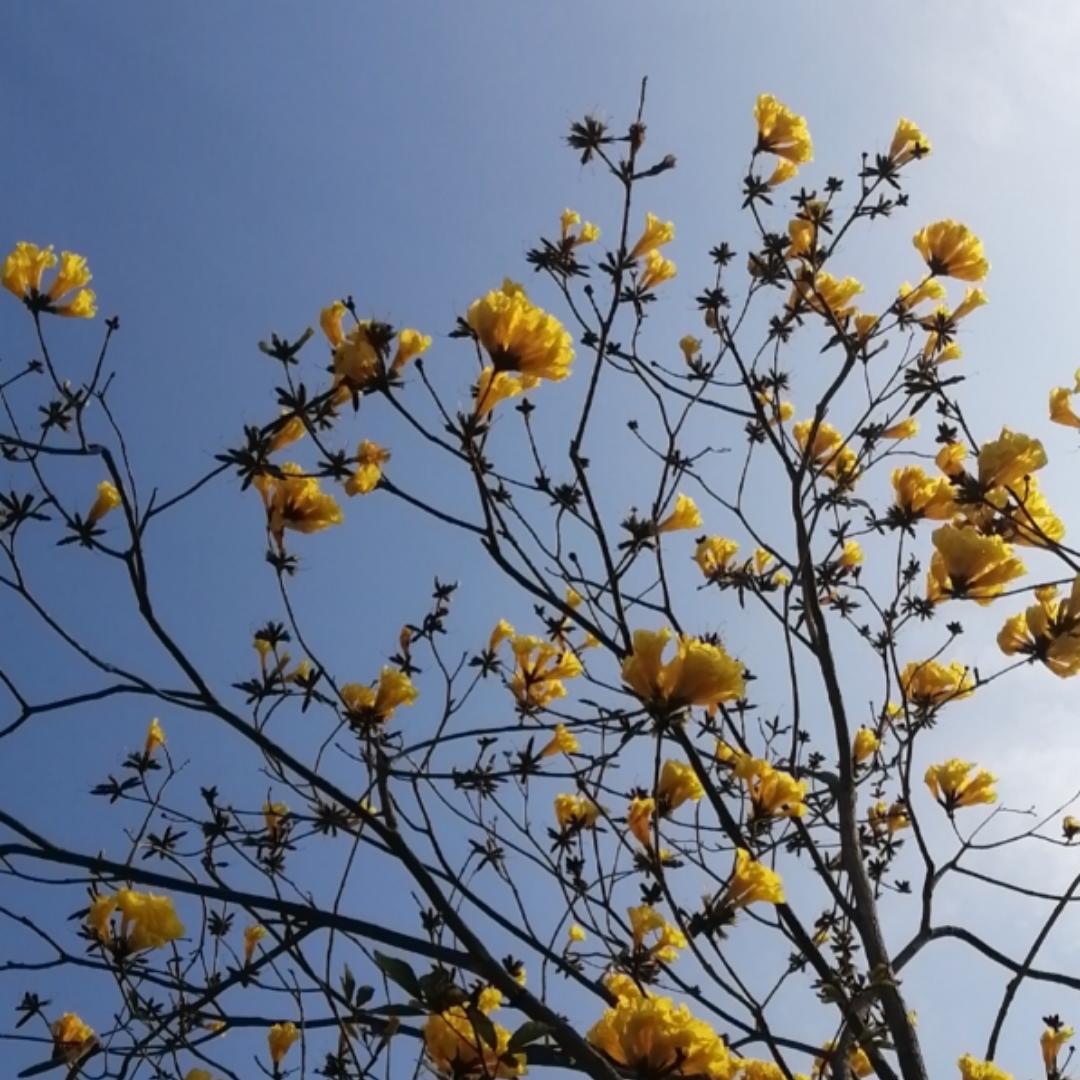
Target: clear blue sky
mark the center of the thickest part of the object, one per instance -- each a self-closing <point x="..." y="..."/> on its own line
<point x="228" y="169"/>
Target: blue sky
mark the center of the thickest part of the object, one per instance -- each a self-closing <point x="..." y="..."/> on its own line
<point x="228" y="169"/>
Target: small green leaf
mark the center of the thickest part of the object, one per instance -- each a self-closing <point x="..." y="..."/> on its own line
<point x="529" y="1032"/>
<point x="397" y="971"/>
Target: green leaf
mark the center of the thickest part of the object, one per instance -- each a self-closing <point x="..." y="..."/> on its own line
<point x="529" y="1032"/>
<point x="362" y="996"/>
<point x="483" y="1027"/>
<point x="397" y="971"/>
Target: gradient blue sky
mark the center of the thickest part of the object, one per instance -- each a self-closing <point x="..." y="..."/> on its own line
<point x="230" y="168"/>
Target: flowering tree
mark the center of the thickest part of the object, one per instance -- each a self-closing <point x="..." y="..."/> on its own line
<point x="596" y="842"/>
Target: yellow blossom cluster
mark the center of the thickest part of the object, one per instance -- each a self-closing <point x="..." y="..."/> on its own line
<point x="525" y="345"/>
<point x="377" y="703"/>
<point x="773" y="792"/>
<point x="783" y="133"/>
<point x="827" y="452"/>
<point x="146" y="921"/>
<point x="456" y="1048"/>
<point x="654" y="935"/>
<point x="539" y="671"/>
<point x="973" y="1069"/>
<point x="1061" y="407"/>
<point x="295" y="501"/>
<point x="72" y="1038"/>
<point x="928" y="684"/>
<point x="279" y="1040"/>
<point x="954" y="785"/>
<point x="1048" y="630"/>
<point x="22" y="271"/>
<point x="575" y="812"/>
<point x="699" y="673"/>
<point x="652" y="1036"/>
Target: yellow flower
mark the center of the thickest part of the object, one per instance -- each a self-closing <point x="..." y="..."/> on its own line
<point x="751" y="883"/>
<point x="829" y="452"/>
<point x="970" y="566"/>
<point x="1049" y="631"/>
<point x="286" y="432"/>
<point x="953" y="250"/>
<point x="198" y="1074"/>
<point x="108" y="499"/>
<point x="953" y="787"/>
<point x="356" y="360"/>
<point x="699" y="674"/>
<point x="678" y="784"/>
<point x="782" y="132"/>
<point x="773" y="792"/>
<point x="685" y="516"/>
<point x="99" y="917"/>
<point x="690" y="346"/>
<point x="907" y="428"/>
<point x="823" y="293"/>
<point x="73" y="274"/>
<point x="907" y="142"/>
<point x="921" y="496"/>
<point x="927" y="684"/>
<point x="377" y="704"/>
<point x="656" y="234"/>
<point x="972" y="1069"/>
<point x="411" y="344"/>
<point x="801" y="233"/>
<point x="72" y="1038"/>
<point x="893" y="818"/>
<point x="1005" y="461"/>
<point x="253" y="934"/>
<point x="525" y="344"/>
<point x="657" y="271"/>
<point x="1070" y="826"/>
<point x="155" y="737"/>
<point x="575" y="812"/>
<point x="973" y="298"/>
<point x="562" y="742"/>
<point x="950" y="459"/>
<point x="865" y="745"/>
<point x="575" y="933"/>
<point x="639" y="819"/>
<point x="783" y="172"/>
<point x="294" y="501"/>
<point x="370" y="458"/>
<point x="279" y="1039"/>
<point x="1050" y="1042"/>
<point x="858" y="1061"/>
<point x="456" y="1048"/>
<point x="540" y="668"/>
<point x="645" y="920"/>
<point x="83" y="305"/>
<point x="330" y="322"/>
<point x="951" y="351"/>
<point x="502" y="631"/>
<point x="274" y="815"/>
<point x="651" y="1036"/>
<point x="1023" y="516"/>
<point x="147" y="921"/>
<point x="23" y="268"/>
<point x="851" y="555"/>
<point x="589" y="232"/>
<point x="762" y="560"/>
<point x="865" y="324"/>
<point x="1061" y="410"/>
<point x="714" y="554"/>
<point x="930" y="289"/>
